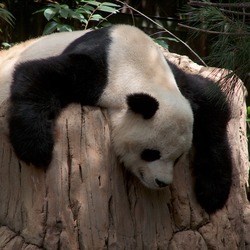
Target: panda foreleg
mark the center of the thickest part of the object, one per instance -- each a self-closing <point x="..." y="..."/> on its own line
<point x="39" y="91"/>
<point x="31" y="133"/>
<point x="33" y="107"/>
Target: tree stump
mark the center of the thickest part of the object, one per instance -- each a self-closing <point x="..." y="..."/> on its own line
<point x="87" y="200"/>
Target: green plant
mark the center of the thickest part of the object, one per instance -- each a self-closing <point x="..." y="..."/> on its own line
<point x="172" y="37"/>
<point x="7" y="21"/>
<point x="6" y="45"/>
<point x="228" y="28"/>
<point x="61" y="17"/>
<point x="6" y="16"/>
<point x="162" y="41"/>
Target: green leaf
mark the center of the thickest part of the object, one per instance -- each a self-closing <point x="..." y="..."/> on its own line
<point x="6" y="45"/>
<point x="64" y="27"/>
<point x="96" y="17"/>
<point x="110" y="4"/>
<point x="167" y="38"/>
<point x="85" y="21"/>
<point x="248" y="110"/>
<point x="64" y="6"/>
<point x="84" y="11"/>
<point x="107" y="9"/>
<point x="49" y="13"/>
<point x="89" y="8"/>
<point x="98" y="4"/>
<point x="50" y="27"/>
<point x="76" y="15"/>
<point x="161" y="43"/>
<point x="95" y="3"/>
<point x="64" y="13"/>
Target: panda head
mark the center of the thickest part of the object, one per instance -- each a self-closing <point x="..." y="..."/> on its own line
<point x="150" y="135"/>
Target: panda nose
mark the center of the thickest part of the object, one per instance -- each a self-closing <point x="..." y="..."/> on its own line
<point x="161" y="184"/>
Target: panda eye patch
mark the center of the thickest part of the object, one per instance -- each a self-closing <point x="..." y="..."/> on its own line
<point x="150" y="155"/>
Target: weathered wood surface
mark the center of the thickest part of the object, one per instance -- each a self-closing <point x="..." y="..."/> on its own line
<point x="86" y="200"/>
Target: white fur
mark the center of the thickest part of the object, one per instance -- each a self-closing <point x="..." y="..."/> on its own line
<point x="137" y="65"/>
<point x="170" y="132"/>
<point x="8" y="60"/>
<point x="51" y="45"/>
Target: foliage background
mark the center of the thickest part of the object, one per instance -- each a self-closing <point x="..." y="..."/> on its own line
<point x="28" y="25"/>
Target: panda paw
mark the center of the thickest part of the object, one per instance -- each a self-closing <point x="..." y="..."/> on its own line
<point x="37" y="152"/>
<point x="212" y="194"/>
<point x="32" y="141"/>
<point x="37" y="155"/>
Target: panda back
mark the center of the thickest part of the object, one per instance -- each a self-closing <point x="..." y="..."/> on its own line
<point x="50" y="45"/>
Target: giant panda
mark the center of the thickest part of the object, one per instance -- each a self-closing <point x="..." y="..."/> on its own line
<point x="157" y="112"/>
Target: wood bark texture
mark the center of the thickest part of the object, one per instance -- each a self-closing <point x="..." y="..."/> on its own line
<point x="87" y="200"/>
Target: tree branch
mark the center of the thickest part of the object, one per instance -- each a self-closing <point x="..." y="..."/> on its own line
<point x="215" y="32"/>
<point x="223" y="5"/>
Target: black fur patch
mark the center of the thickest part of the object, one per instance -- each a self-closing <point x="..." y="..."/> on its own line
<point x="41" y="88"/>
<point x="150" y="155"/>
<point x="212" y="160"/>
<point x="143" y="104"/>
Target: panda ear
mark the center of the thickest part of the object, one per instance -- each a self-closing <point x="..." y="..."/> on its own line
<point x="143" y="104"/>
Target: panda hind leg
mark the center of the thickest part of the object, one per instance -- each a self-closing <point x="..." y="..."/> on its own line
<point x="213" y="176"/>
